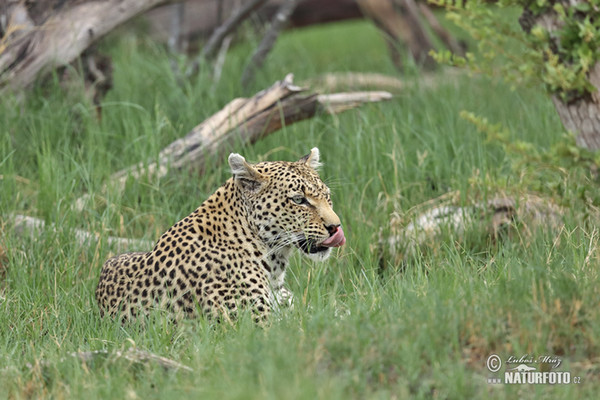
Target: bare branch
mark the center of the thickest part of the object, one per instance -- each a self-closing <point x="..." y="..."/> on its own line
<point x="355" y="80"/>
<point x="177" y="16"/>
<point x="221" y="32"/>
<point x="279" y="22"/>
<point x="335" y="81"/>
<point x="218" y="68"/>
<point x="337" y="102"/>
<point x="450" y="41"/>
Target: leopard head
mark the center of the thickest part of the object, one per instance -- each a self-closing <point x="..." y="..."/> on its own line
<point x="288" y="204"/>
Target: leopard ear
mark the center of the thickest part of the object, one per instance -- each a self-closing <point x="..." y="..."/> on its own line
<point x="312" y="159"/>
<point x="244" y="175"/>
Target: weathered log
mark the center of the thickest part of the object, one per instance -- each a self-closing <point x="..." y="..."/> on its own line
<point x="336" y="81"/>
<point x="354" y="80"/>
<point x="24" y="225"/>
<point x="423" y="227"/>
<point x="244" y="120"/>
<point x="335" y="103"/>
<point x="32" y="49"/>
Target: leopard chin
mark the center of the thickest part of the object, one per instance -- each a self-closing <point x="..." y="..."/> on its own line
<point x="312" y="250"/>
<point x="309" y="246"/>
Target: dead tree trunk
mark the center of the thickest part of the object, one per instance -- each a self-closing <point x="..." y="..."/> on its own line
<point x="33" y="45"/>
<point x="579" y="114"/>
<point x="582" y="116"/>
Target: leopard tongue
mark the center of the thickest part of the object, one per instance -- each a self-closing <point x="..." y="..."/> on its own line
<point x="336" y="240"/>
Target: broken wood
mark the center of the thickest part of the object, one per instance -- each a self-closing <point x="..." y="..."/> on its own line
<point x="337" y="102"/>
<point x="336" y="81"/>
<point x="426" y="225"/>
<point x="355" y="80"/>
<point x="243" y="120"/>
<point x="24" y="225"/>
<point x="29" y="49"/>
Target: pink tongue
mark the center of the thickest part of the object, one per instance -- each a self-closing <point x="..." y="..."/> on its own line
<point x="336" y="240"/>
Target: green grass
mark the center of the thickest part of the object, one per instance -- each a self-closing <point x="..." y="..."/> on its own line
<point x="421" y="330"/>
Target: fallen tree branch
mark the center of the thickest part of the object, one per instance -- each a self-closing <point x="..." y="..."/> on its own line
<point x="243" y="120"/>
<point x="337" y="102"/>
<point x="335" y="81"/>
<point x="61" y="38"/>
<point x="354" y="80"/>
<point x="513" y="216"/>
<point x="29" y="226"/>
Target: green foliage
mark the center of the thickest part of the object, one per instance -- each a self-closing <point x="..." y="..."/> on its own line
<point x="511" y="43"/>
<point x="559" y="54"/>
<point x="563" y="170"/>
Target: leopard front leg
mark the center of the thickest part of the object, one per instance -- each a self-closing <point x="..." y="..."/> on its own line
<point x="223" y="297"/>
<point x="283" y="297"/>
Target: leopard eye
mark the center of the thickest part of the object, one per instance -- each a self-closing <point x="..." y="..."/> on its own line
<point x="299" y="199"/>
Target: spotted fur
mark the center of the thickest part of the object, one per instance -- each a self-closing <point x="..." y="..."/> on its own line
<point x="233" y="250"/>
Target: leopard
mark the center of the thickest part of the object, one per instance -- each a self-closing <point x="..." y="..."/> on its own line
<point x="232" y="252"/>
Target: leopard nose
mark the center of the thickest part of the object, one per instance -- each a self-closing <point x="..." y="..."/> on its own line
<point x="332" y="229"/>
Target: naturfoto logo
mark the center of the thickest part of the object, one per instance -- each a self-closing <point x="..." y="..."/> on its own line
<point x="518" y="371"/>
